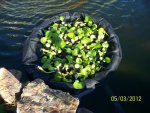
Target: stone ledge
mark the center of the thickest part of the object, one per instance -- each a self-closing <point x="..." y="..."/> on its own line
<point x="36" y="96"/>
<point x="39" y="98"/>
<point x="9" y="87"/>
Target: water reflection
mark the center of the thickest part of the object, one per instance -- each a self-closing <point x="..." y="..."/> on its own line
<point x="76" y="4"/>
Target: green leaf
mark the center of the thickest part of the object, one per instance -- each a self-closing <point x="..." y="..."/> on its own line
<point x="43" y="40"/>
<point x="101" y="31"/>
<point x="71" y="35"/>
<point x="83" y="54"/>
<point x="55" y="37"/>
<point x="49" y="41"/>
<point x="105" y="44"/>
<point x="88" y="31"/>
<point x="90" y="23"/>
<point x="66" y="80"/>
<point x="55" y="26"/>
<point x="101" y="53"/>
<point x="98" y="68"/>
<point x="84" y="71"/>
<point x="107" y="60"/>
<point x="95" y="46"/>
<point x="72" y="29"/>
<point x="68" y="50"/>
<point x="69" y="58"/>
<point x="76" y="24"/>
<point x="85" y="40"/>
<point x="80" y="36"/>
<point x="50" y="56"/>
<point x="88" y="68"/>
<point x="86" y="62"/>
<point x="76" y="38"/>
<point x="61" y="35"/>
<point x="79" y="60"/>
<point x="58" y="77"/>
<point x="66" y="66"/>
<point x="79" y="45"/>
<point x="93" y="53"/>
<point x="62" y="44"/>
<point x="53" y="52"/>
<point x="45" y="51"/>
<point x="58" y="31"/>
<point x="92" y="45"/>
<point x="69" y="25"/>
<point x="53" y="48"/>
<point x="44" y="59"/>
<point x="51" y="68"/>
<point x="61" y="18"/>
<point x="92" y="72"/>
<point x="57" y="64"/>
<point x="63" y="29"/>
<point x="45" y="65"/>
<point x="47" y="34"/>
<point x="79" y="30"/>
<point x="104" y="50"/>
<point x="98" y="46"/>
<point x="97" y="41"/>
<point x="72" y="72"/>
<point x="93" y="66"/>
<point x="87" y="19"/>
<point x="82" y="24"/>
<point x="94" y="26"/>
<point x="78" y="85"/>
<point x="75" y="52"/>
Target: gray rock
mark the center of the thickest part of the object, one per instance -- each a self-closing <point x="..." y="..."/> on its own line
<point x="39" y="98"/>
<point x="9" y="88"/>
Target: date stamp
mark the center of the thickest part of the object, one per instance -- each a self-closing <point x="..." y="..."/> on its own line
<point x="126" y="98"/>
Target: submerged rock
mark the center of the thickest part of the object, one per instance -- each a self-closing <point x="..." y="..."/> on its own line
<point x="39" y="98"/>
<point x="9" y="88"/>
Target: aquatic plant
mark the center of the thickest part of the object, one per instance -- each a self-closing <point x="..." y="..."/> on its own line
<point x="74" y="51"/>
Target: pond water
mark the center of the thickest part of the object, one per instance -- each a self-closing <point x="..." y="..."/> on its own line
<point x="130" y="20"/>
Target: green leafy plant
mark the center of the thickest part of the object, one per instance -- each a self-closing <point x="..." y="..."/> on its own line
<point x="74" y="50"/>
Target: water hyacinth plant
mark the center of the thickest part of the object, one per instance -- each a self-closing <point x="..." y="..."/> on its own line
<point x="74" y="50"/>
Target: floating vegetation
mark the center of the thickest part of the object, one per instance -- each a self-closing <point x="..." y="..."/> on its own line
<point x="74" y="50"/>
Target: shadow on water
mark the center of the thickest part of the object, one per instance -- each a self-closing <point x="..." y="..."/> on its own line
<point x="130" y="20"/>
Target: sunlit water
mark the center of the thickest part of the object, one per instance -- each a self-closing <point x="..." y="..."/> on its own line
<point x="130" y="20"/>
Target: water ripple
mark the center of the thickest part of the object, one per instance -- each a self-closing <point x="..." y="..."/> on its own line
<point x="19" y="17"/>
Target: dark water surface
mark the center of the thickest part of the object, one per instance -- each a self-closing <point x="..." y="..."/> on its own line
<point x="129" y="18"/>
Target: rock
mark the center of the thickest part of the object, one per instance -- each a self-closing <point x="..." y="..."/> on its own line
<point x="39" y="98"/>
<point x="9" y="88"/>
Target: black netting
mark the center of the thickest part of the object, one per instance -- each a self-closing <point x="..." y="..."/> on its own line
<point x="32" y="46"/>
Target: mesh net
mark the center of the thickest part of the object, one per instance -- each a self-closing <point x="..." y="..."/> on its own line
<point x="32" y="46"/>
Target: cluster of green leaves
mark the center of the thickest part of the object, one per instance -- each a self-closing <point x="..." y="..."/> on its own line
<point x="74" y="50"/>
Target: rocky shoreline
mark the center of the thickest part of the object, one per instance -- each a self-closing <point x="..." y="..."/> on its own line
<point x="34" y="97"/>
